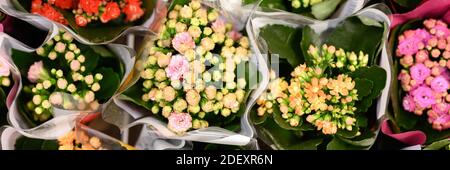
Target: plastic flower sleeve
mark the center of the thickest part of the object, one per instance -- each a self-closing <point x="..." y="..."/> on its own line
<point x="63" y="120"/>
<point x="210" y="135"/>
<point x="377" y="12"/>
<point x="85" y="35"/>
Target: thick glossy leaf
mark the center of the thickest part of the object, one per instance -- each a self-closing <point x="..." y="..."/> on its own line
<point x="366" y="142"/>
<point x="284" y="40"/>
<point x="257" y="120"/>
<point x="438" y="145"/>
<point x="96" y="32"/>
<point x="108" y="85"/>
<point x="324" y="9"/>
<point x="364" y="87"/>
<point x="348" y="134"/>
<point x="375" y="74"/>
<point x="23" y="60"/>
<point x="24" y="143"/>
<point x="92" y="59"/>
<point x="310" y="144"/>
<point x="338" y="144"/>
<point x="353" y="35"/>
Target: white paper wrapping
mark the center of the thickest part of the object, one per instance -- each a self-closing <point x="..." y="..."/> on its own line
<point x="377" y="12"/>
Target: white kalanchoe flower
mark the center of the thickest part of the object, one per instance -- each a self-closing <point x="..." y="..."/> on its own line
<point x="217" y="75"/>
<point x="147" y="84"/>
<point x="72" y="47"/>
<point x="166" y="111"/>
<point x="66" y="36"/>
<point x="207" y="106"/>
<point x="194" y="109"/>
<point x="186" y="12"/>
<point x="160" y="75"/>
<point x="6" y="82"/>
<point x="57" y="38"/>
<point x="81" y="58"/>
<point x="240" y="94"/>
<point x="56" y="99"/>
<point x="89" y="97"/>
<point x="173" y="14"/>
<point x="77" y="51"/>
<point x="241" y="83"/>
<point x="244" y="42"/>
<point x="71" y="88"/>
<point x="60" y="47"/>
<point x="40" y="51"/>
<point x="61" y="83"/>
<point x="155" y="109"/>
<point x="52" y="55"/>
<point x="163" y="60"/>
<point x="37" y="99"/>
<point x="180" y="105"/>
<point x="190" y="55"/>
<point x="69" y="56"/>
<point x="230" y="85"/>
<point x="47" y="84"/>
<point x="180" y="27"/>
<point x="75" y="65"/>
<point x="50" y="42"/>
<point x="229" y="77"/>
<point x="89" y="79"/>
<point x="192" y="97"/>
<point x="39" y="86"/>
<point x="95" y="87"/>
<point x="213" y="15"/>
<point x="38" y="110"/>
<point x="98" y="76"/>
<point x="207" y="31"/>
<point x="59" y="73"/>
<point x="46" y="104"/>
<point x="169" y="93"/>
<point x="176" y="84"/>
<point x="225" y="112"/>
<point x="206" y="76"/>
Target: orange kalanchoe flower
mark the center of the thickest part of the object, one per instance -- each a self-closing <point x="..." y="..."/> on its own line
<point x="112" y="11"/>
<point x="133" y="10"/>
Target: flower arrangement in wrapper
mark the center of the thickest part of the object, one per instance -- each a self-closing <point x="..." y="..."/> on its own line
<point x="89" y="18"/>
<point x="323" y="95"/>
<point x="190" y="78"/>
<point x="317" y="9"/>
<point x="66" y="75"/>
<point x="422" y="50"/>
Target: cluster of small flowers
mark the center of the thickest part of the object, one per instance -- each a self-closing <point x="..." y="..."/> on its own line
<point x="176" y="78"/>
<point x="424" y="55"/>
<point x="87" y="11"/>
<point x="329" y="103"/>
<point x="48" y="87"/>
<point x="79" y="141"/>
<point x="5" y="72"/>
<point x="344" y="61"/>
<point x="305" y="3"/>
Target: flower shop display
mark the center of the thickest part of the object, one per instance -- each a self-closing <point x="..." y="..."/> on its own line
<point x="195" y="72"/>
<point x="87" y="18"/>
<point x="315" y="9"/>
<point x="328" y="93"/>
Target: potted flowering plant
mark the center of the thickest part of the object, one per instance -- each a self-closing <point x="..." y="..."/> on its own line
<point x="60" y="79"/>
<point x="5" y="84"/>
<point x="194" y="76"/>
<point x="327" y="94"/>
<point x="315" y="9"/>
<point x="419" y="113"/>
<point x="87" y="18"/>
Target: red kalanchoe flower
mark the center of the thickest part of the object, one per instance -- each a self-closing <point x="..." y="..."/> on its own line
<point x="112" y="11"/>
<point x="36" y="6"/>
<point x="81" y="21"/>
<point x="133" y="10"/>
<point x="64" y="4"/>
<point x="48" y="11"/>
<point x="90" y="6"/>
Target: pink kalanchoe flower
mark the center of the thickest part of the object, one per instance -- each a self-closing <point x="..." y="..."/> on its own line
<point x="420" y="72"/>
<point x="439" y="84"/>
<point x="183" y="42"/>
<point x="4" y="67"/>
<point x="234" y="35"/>
<point x="179" y="122"/>
<point x="441" y="31"/>
<point x="219" y="26"/>
<point x="423" y="96"/>
<point x="404" y="77"/>
<point x="421" y="56"/>
<point x="177" y="67"/>
<point x="408" y="103"/>
<point x="37" y="72"/>
<point x="439" y="117"/>
<point x="409" y="46"/>
<point x="441" y="108"/>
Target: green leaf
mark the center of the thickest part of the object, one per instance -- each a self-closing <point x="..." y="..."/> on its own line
<point x="178" y="2"/>
<point x="366" y="142"/>
<point x="92" y="59"/>
<point x="24" y="143"/>
<point x="283" y="40"/>
<point x="23" y="60"/>
<point x="283" y="123"/>
<point x="353" y="35"/>
<point x="310" y="144"/>
<point x="102" y="51"/>
<point x="361" y="121"/>
<point x="338" y="144"/>
<point x="134" y="95"/>
<point x="375" y="74"/>
<point x="364" y="87"/>
<point x="108" y="85"/>
<point x="348" y="134"/>
<point x="257" y="120"/>
<point x="309" y="38"/>
<point x="324" y="9"/>
<point x="438" y="145"/>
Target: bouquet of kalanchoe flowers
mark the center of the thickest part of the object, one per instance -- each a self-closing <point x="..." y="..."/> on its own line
<point x="325" y="94"/>
<point x="66" y="75"/>
<point x="190" y="77"/>
<point x="317" y="9"/>
<point x="88" y="18"/>
<point x="422" y="65"/>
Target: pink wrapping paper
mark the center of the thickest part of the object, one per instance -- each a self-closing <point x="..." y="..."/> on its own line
<point x="439" y="9"/>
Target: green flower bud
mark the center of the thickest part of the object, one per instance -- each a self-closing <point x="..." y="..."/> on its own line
<point x="155" y="109"/>
<point x="225" y="112"/>
<point x="201" y="115"/>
